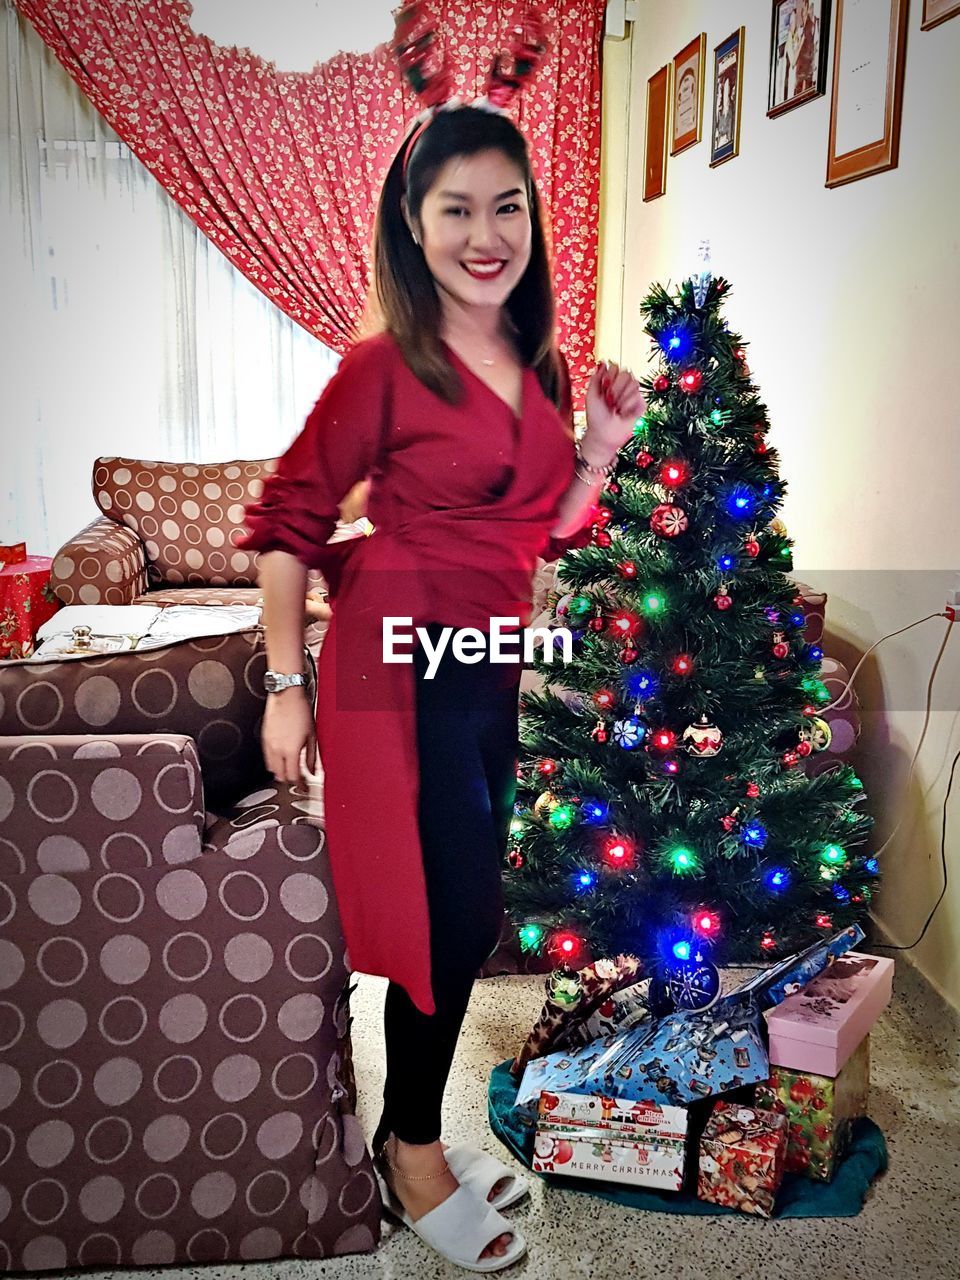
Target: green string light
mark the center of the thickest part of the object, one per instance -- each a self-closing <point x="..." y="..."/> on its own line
<point x="562" y="817"/>
<point x="531" y="936"/>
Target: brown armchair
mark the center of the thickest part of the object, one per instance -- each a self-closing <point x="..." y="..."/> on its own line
<point x="177" y="1082"/>
<point x="167" y="535"/>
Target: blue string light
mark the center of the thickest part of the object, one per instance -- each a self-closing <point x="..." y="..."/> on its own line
<point x="872" y="866"/>
<point x="755" y="835"/>
<point x="777" y="879"/>
<point x="741" y="503"/>
<point x="593" y="811"/>
<point x="642" y="684"/>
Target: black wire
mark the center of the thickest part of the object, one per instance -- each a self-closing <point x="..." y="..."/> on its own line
<point x="887" y="946"/>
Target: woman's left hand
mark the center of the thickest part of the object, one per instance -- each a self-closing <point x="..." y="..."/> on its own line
<point x="614" y="402"/>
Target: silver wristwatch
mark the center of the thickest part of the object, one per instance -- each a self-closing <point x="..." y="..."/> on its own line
<point x="277" y="681"/>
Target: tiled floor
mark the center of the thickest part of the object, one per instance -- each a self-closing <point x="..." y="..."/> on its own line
<point x="909" y="1229"/>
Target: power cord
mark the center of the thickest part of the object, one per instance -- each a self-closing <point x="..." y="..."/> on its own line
<point x="889" y="946"/>
<point x="886" y="946"/>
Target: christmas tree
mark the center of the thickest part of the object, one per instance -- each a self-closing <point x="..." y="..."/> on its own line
<point x="662" y="805"/>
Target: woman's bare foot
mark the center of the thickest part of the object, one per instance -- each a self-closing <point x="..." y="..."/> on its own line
<point x="419" y="1198"/>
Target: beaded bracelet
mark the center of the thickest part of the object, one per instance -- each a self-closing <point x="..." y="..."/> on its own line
<point x="593" y="473"/>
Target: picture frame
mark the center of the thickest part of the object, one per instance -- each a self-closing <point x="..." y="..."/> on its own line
<point x="869" y="50"/>
<point x="655" y="143"/>
<point x="727" y="97"/>
<point x="937" y="11"/>
<point x="799" y="44"/>
<point x="688" y="77"/>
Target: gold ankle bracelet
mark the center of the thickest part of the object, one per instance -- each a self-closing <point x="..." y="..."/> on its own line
<point x="413" y="1177"/>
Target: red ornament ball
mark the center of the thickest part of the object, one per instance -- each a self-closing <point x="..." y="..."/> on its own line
<point x="752" y="548"/>
<point x="722" y="601"/>
<point x="768" y="942"/>
<point x="668" y="521"/>
<point x="691" y="381"/>
<point x="644" y="459"/>
<point x="752" y="790"/>
<point x="804" y="748"/>
<point x="603" y="517"/>
<point x="613" y="488"/>
<point x="602" y="538"/>
<point x="790" y="759"/>
<point x="780" y="649"/>
<point x="661" y="383"/>
<point x="596" y="624"/>
<point x="515" y="858"/>
<point x="728" y="821"/>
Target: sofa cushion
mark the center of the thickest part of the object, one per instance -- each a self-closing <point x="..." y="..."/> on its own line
<point x="209" y="688"/>
<point x="189" y="515"/>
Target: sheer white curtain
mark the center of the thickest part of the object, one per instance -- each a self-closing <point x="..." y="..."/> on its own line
<point x="122" y="329"/>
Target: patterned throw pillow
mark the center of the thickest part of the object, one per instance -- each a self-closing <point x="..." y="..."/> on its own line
<point x="189" y="515"/>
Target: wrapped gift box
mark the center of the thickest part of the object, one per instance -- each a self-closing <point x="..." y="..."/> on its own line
<point x="560" y="1072"/>
<point x="819" y="1028"/>
<point x="619" y="1012"/>
<point x="593" y="1136"/>
<point x="742" y="1156"/>
<point x="684" y="1057"/>
<point x="774" y="985"/>
<point x="819" y="1110"/>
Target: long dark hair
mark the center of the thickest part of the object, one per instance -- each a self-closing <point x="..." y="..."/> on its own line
<point x="405" y="297"/>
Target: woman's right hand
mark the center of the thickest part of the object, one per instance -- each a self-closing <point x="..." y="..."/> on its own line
<point x="288" y="727"/>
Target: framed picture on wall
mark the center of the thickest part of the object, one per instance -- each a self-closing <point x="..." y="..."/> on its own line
<point x="799" y="39"/>
<point x="688" y="69"/>
<point x="727" y="85"/>
<point x="655" y="144"/>
<point x="868" y="57"/>
<point x="937" y="11"/>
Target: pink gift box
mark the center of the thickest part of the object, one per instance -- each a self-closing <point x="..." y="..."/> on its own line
<point x="818" y="1028"/>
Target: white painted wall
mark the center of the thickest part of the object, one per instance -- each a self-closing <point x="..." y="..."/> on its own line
<point x="850" y="300"/>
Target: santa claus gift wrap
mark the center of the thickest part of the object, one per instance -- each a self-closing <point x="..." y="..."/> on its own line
<point x="594" y="1136"/>
<point x="820" y="1111"/>
<point x="742" y="1154"/>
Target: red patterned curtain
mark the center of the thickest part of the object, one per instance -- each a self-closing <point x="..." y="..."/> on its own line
<point x="282" y="169"/>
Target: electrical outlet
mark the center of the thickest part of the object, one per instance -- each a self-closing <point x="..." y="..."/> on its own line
<point x="952" y="607"/>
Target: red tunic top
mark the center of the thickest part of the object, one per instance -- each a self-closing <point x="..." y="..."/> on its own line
<point x="462" y="499"/>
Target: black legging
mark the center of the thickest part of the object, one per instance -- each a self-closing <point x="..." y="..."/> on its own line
<point x="467" y="748"/>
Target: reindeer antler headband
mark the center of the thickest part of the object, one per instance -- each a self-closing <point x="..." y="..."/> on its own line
<point x="430" y="75"/>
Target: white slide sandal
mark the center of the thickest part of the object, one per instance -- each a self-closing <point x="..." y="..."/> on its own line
<point x="481" y="1171"/>
<point x="460" y="1228"/>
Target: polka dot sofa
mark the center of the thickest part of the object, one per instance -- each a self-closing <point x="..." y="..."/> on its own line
<point x="176" y="1083"/>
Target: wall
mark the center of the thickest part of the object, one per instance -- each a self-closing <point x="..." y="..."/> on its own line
<point x="850" y="301"/>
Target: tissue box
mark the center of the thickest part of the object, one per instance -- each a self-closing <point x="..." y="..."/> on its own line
<point x="819" y="1028"/>
<point x="742" y="1156"/>
<point x="820" y="1111"/>
<point x="593" y="1136"/>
